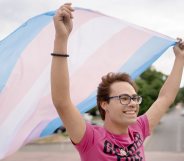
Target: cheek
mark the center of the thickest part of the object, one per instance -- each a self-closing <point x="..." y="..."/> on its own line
<point x="115" y="108"/>
<point x="138" y="107"/>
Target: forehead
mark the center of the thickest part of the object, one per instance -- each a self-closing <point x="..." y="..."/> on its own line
<point x="118" y="88"/>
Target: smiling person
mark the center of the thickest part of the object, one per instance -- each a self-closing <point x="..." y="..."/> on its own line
<point x="123" y="133"/>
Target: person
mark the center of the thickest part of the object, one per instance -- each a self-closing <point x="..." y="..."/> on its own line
<point x="123" y="133"/>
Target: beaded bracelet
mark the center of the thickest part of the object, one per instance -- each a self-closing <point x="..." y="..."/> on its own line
<point x="61" y="55"/>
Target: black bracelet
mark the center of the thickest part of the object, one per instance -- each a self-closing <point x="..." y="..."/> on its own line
<point x="61" y="55"/>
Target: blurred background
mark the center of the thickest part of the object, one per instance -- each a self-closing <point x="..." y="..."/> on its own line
<point x="166" y="16"/>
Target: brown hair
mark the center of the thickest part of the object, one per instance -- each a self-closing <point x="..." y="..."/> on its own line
<point x="104" y="88"/>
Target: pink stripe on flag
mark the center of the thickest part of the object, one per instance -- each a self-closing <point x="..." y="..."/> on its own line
<point x="39" y="119"/>
<point x="83" y="16"/>
<point x="123" y="45"/>
<point x="27" y="70"/>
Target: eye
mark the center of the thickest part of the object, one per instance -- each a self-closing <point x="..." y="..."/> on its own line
<point x="135" y="98"/>
<point x="124" y="98"/>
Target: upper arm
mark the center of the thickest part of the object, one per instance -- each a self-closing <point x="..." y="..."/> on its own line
<point x="156" y="111"/>
<point x="73" y="121"/>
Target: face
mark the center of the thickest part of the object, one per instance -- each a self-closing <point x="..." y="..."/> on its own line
<point x="117" y="113"/>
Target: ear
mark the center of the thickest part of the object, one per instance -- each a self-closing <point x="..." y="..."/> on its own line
<point x="104" y="105"/>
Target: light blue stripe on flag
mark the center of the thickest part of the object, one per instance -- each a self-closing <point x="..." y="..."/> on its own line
<point x="142" y="58"/>
<point x="12" y="46"/>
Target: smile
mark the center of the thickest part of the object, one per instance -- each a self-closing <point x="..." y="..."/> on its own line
<point x="130" y="112"/>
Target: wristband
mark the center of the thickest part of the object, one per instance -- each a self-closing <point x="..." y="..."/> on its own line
<point x="58" y="54"/>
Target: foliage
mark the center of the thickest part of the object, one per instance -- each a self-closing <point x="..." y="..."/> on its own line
<point x="149" y="84"/>
<point x="180" y="97"/>
<point x="93" y="111"/>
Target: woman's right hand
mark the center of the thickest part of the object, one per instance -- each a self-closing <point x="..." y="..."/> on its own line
<point x="63" y="21"/>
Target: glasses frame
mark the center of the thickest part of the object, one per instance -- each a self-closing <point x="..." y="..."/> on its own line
<point x="131" y="98"/>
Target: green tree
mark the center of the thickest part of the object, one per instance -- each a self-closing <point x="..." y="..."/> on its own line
<point x="180" y="97"/>
<point x="93" y="111"/>
<point x="149" y="84"/>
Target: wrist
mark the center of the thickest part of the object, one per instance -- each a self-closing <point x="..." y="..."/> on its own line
<point x="60" y="46"/>
<point x="60" y="37"/>
<point x="180" y="60"/>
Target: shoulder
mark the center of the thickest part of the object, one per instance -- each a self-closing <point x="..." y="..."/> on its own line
<point x="141" y="126"/>
<point x="93" y="131"/>
<point x="92" y="135"/>
<point x="96" y="129"/>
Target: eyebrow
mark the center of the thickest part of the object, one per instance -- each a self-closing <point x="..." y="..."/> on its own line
<point x="128" y="95"/>
<point x="134" y="95"/>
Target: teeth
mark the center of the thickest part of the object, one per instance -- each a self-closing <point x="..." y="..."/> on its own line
<point x="130" y="112"/>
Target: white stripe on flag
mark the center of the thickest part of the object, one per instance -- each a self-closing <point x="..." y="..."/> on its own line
<point x="23" y="111"/>
<point x="89" y="37"/>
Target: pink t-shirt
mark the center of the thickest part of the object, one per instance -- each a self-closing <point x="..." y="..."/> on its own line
<point x="100" y="145"/>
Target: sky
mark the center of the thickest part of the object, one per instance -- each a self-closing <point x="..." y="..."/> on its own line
<point x="164" y="16"/>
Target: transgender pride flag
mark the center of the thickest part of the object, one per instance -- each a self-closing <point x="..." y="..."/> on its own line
<point x="98" y="44"/>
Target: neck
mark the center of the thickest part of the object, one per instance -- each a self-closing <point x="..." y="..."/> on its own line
<point x="115" y="128"/>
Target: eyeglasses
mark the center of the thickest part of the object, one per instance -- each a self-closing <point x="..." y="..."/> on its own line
<point x="125" y="99"/>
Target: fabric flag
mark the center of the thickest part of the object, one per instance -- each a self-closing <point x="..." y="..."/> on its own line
<point x="98" y="44"/>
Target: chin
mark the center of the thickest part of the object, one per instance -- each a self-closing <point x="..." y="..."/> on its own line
<point x="131" y="121"/>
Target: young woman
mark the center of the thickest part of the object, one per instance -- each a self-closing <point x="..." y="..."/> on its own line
<point x="122" y="136"/>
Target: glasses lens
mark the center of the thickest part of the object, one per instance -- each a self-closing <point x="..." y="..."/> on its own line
<point x="125" y="99"/>
<point x="137" y="99"/>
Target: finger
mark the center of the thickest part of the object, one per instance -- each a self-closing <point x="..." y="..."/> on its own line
<point x="64" y="12"/>
<point x="67" y="10"/>
<point x="65" y="15"/>
<point x="179" y="40"/>
<point x="61" y="14"/>
<point x="58" y="14"/>
<point x="67" y="5"/>
<point x="181" y="45"/>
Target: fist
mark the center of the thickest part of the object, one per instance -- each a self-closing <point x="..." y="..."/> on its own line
<point x="63" y="21"/>
<point x="179" y="48"/>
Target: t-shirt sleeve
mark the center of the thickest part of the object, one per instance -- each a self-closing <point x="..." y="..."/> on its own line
<point x="88" y="139"/>
<point x="143" y="124"/>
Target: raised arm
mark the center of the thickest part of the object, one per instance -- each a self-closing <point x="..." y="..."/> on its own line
<point x="169" y="89"/>
<point x="60" y="88"/>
